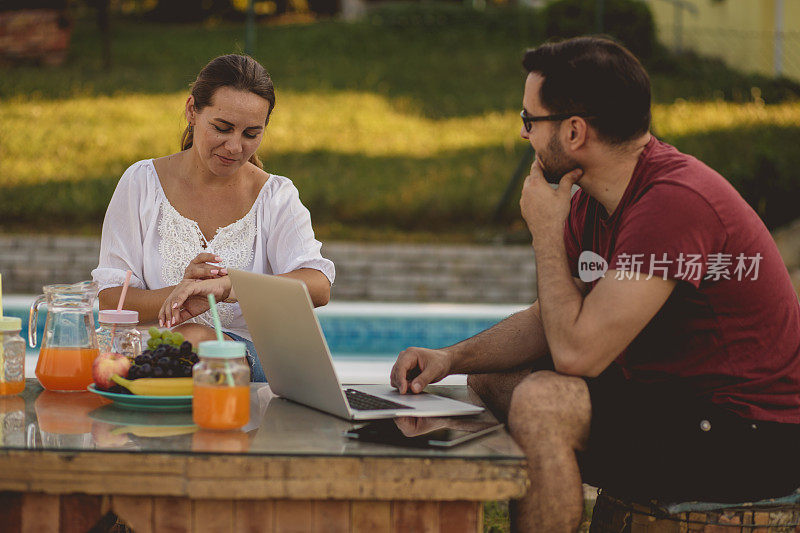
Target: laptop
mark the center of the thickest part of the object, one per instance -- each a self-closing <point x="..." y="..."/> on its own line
<point x="298" y="364"/>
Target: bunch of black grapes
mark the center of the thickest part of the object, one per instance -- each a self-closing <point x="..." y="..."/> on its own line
<point x="167" y="356"/>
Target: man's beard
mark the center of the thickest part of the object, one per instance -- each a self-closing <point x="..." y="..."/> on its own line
<point x="556" y="163"/>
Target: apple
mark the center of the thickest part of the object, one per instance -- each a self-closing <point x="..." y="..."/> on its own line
<point x="106" y="365"/>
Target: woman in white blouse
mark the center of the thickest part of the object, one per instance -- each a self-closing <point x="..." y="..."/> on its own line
<point x="179" y="222"/>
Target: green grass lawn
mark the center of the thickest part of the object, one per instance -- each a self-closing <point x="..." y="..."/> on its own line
<point x="389" y="131"/>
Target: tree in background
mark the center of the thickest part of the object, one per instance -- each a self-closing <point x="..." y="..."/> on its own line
<point x="103" y="8"/>
<point x="189" y="10"/>
<point x="630" y="21"/>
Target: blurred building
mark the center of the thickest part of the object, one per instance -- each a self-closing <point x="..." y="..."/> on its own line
<point x="760" y="36"/>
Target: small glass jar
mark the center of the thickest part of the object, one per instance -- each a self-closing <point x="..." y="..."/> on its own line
<point x="12" y="356"/>
<point x="117" y="333"/>
<point x="221" y="395"/>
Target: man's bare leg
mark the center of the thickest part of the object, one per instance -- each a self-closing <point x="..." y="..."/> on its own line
<point x="549" y="418"/>
<point x="495" y="390"/>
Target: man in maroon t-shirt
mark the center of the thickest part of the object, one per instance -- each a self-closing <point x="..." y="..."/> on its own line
<point x="662" y="357"/>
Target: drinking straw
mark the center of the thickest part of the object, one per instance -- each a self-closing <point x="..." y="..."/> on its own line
<point x="121" y="301"/>
<point x="218" y="328"/>
<point x="215" y="315"/>
<point x="124" y="290"/>
<point x="2" y="351"/>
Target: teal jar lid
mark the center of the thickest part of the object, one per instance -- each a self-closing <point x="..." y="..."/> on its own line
<point x="222" y="349"/>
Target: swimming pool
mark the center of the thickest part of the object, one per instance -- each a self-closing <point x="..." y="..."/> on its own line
<point x="364" y="337"/>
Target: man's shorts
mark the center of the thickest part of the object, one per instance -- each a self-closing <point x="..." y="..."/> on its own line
<point x="659" y="442"/>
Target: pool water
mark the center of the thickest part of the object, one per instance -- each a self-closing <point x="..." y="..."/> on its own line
<point x="364" y="337"/>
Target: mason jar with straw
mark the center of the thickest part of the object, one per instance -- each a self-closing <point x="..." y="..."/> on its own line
<point x="221" y="397"/>
<point x="117" y="331"/>
<point x="12" y="352"/>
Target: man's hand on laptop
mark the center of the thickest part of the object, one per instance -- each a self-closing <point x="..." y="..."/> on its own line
<point x="411" y="426"/>
<point x="416" y="368"/>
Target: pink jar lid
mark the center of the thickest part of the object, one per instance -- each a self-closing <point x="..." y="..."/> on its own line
<point x="119" y="317"/>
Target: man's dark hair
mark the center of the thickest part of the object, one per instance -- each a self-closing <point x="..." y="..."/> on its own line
<point x="597" y="76"/>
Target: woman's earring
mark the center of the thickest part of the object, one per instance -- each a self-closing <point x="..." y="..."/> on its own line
<point x="191" y="128"/>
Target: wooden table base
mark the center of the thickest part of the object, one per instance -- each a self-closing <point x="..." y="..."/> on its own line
<point x="74" y="513"/>
<point x="294" y="472"/>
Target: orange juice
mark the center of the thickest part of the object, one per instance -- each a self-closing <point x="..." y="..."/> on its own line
<point x="66" y="369"/>
<point x="220" y="406"/>
<point x="13" y="387"/>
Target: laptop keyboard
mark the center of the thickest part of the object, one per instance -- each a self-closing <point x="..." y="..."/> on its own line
<point x="361" y="401"/>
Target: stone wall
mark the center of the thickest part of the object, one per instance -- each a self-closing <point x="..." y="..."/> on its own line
<point x="433" y="273"/>
<point x="28" y="262"/>
<point x="365" y="272"/>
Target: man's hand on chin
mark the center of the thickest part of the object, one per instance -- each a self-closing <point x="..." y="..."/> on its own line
<point x="544" y="208"/>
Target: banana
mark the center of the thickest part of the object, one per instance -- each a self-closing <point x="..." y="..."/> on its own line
<point x="156" y="386"/>
<point x="147" y="431"/>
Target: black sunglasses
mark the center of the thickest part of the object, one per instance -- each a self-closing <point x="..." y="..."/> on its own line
<point x="528" y="120"/>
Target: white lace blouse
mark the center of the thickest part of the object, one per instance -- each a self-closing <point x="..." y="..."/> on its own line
<point x="143" y="232"/>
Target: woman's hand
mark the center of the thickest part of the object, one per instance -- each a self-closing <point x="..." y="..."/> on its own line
<point x="203" y="267"/>
<point x="189" y="298"/>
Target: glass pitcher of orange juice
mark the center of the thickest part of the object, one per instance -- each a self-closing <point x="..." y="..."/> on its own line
<point x="69" y="343"/>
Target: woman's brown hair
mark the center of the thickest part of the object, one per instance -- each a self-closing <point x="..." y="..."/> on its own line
<point x="238" y="72"/>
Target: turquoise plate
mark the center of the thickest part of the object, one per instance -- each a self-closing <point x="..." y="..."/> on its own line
<point x="145" y="403"/>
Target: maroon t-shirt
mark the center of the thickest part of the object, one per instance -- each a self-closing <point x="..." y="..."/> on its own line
<point x="731" y="328"/>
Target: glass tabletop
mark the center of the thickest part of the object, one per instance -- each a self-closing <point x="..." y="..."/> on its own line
<point x="82" y="421"/>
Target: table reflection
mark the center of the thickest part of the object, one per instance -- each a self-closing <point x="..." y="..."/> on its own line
<point x="206" y="440"/>
<point x="62" y="419"/>
<point x="39" y="419"/>
<point x="12" y="421"/>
